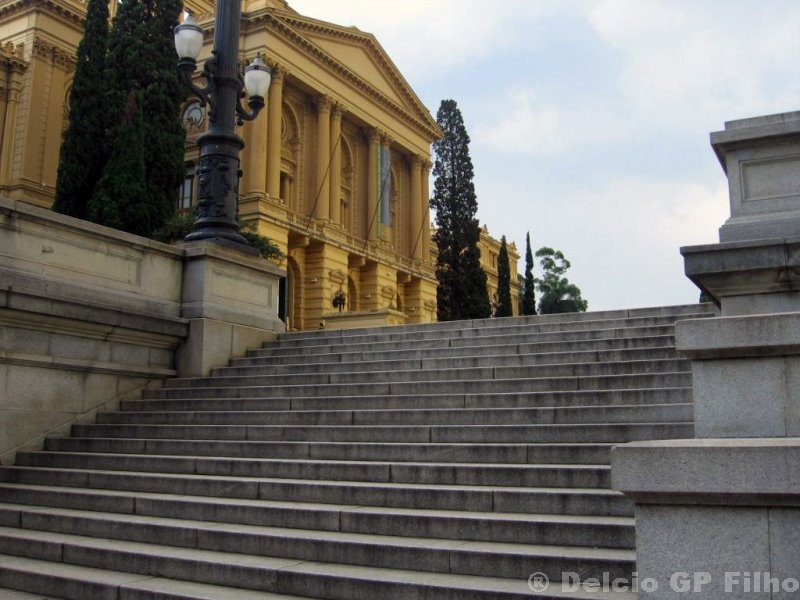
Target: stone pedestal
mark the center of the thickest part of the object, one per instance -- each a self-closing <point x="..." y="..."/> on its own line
<point x="230" y="299"/>
<point x="719" y="516"/>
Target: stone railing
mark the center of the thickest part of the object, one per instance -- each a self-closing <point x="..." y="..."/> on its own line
<point x="90" y="316"/>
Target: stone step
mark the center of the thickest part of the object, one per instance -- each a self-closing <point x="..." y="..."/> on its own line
<point x="527" y="475"/>
<point x="672" y="312"/>
<point x="417" y="554"/>
<point x="520" y="453"/>
<point x="520" y="527"/>
<point x="629" y="397"/>
<point x="504" y="357"/>
<point x="508" y="367"/>
<point x="211" y="388"/>
<point x="312" y="580"/>
<point x="531" y="328"/>
<point x="649" y="413"/>
<point x="619" y="433"/>
<point x="250" y="377"/>
<point x="385" y="342"/>
<point x="442" y="349"/>
<point x="440" y="509"/>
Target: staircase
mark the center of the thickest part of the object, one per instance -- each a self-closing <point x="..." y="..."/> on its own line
<point x="445" y="461"/>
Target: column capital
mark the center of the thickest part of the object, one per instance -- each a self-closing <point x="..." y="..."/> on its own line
<point x="417" y="161"/>
<point x="426" y="164"/>
<point x="278" y="72"/>
<point x="386" y="139"/>
<point x="373" y="135"/>
<point x="323" y="103"/>
<point x="337" y="109"/>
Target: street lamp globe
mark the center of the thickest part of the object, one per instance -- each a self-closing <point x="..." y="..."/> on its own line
<point x="257" y="77"/>
<point x="188" y="38"/>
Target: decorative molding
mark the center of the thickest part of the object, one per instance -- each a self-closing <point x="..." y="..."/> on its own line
<point x="337" y="276"/>
<point x="70" y="14"/>
<point x="281" y="23"/>
<point x="59" y="56"/>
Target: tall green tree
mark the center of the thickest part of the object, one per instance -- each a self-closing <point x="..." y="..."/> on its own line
<point x="462" y="292"/>
<point x="558" y="295"/>
<point x="528" y="293"/>
<point x="504" y="308"/>
<point x="117" y="199"/>
<point x="141" y="59"/>
<point x="84" y="149"/>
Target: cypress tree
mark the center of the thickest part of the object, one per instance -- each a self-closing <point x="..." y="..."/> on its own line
<point x="141" y="58"/>
<point x="504" y="308"/>
<point x="461" y="293"/>
<point x="528" y="293"/>
<point x="117" y="199"/>
<point x="85" y="146"/>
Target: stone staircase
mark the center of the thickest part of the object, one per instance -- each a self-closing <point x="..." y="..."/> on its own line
<point x="446" y="461"/>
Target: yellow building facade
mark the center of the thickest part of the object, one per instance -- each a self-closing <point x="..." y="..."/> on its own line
<point x="335" y="168"/>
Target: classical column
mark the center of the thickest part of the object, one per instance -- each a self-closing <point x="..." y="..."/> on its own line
<point x="255" y="171"/>
<point x="322" y="200"/>
<point x="416" y="230"/>
<point x="336" y="164"/>
<point x="14" y="92"/>
<point x="426" y="212"/>
<point x="274" y="112"/>
<point x="373" y="147"/>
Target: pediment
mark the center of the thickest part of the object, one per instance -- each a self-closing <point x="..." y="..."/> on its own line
<point x="361" y="54"/>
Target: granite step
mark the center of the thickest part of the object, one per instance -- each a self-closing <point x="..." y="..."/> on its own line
<point x="560" y="433"/>
<point x="502" y="356"/>
<point x="506" y="367"/>
<point x="312" y="345"/>
<point x="529" y="511"/>
<point x="312" y="580"/>
<point x="383" y="387"/>
<point x="394" y="552"/>
<point x="202" y="401"/>
<point x="519" y="453"/>
<point x="649" y="413"/>
<point x="499" y="328"/>
<point x="271" y="355"/>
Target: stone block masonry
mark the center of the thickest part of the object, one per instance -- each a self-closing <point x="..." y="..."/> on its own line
<point x="90" y="316"/>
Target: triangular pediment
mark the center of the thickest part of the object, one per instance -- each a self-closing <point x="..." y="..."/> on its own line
<point x="361" y="54"/>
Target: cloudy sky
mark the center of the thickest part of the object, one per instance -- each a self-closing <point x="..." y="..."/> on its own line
<point x="589" y="119"/>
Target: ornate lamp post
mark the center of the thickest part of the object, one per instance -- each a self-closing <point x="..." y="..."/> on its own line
<point x="218" y="170"/>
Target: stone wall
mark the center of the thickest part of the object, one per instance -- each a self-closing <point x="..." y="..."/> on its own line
<point x="90" y="315"/>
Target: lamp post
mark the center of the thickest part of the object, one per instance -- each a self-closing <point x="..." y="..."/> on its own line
<point x="218" y="169"/>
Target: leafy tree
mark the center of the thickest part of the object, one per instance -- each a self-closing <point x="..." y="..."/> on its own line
<point x="558" y="295"/>
<point x="85" y="146"/>
<point x="504" y="308"/>
<point x="461" y="293"/>
<point x="117" y="199"/>
<point x="528" y="293"/>
<point x="141" y="58"/>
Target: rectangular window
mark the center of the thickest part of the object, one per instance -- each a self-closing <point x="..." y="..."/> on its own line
<point x="186" y="191"/>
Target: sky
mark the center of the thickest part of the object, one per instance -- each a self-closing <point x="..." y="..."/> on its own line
<point x="589" y="119"/>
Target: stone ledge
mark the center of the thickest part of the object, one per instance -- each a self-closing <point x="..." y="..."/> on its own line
<point x="741" y="472"/>
<point x="739" y="337"/>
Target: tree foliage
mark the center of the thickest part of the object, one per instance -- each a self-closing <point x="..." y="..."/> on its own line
<point x="117" y="199"/>
<point x="461" y="293"/>
<point x="558" y="295"/>
<point x="141" y="59"/>
<point x="528" y="293"/>
<point x="504" y="308"/>
<point x="85" y="146"/>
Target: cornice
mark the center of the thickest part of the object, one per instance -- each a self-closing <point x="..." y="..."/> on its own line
<point x="60" y="56"/>
<point x="71" y="14"/>
<point x="422" y="122"/>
